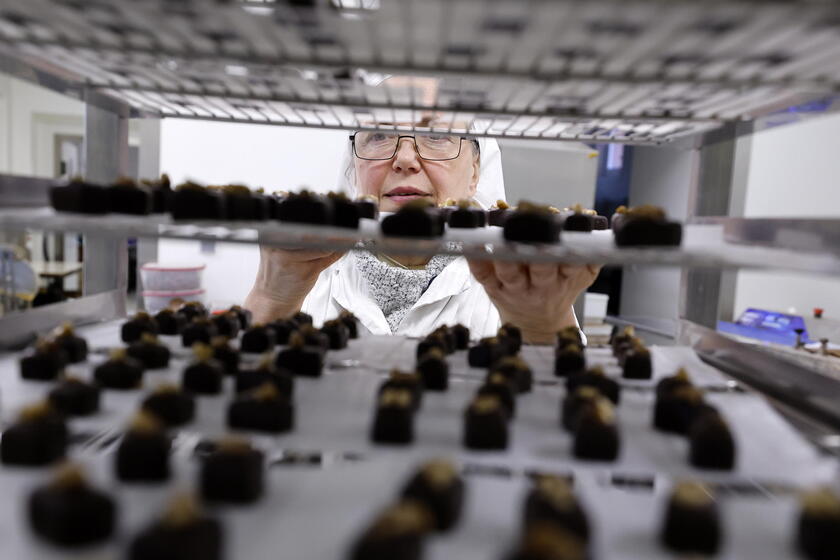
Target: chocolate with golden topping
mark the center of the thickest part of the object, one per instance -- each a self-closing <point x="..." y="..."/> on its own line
<point x="181" y="528"/>
<point x="191" y="201"/>
<point x="233" y="472"/>
<point x="551" y="500"/>
<point x="691" y="520"/>
<point x="438" y="486"/>
<point x="143" y="452"/>
<point x="393" y="421"/>
<point x="596" y="436"/>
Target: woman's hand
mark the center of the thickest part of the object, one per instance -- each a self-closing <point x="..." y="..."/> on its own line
<point x="284" y="279"/>
<point x="535" y="297"/>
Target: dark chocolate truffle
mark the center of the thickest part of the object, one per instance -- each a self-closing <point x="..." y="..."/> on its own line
<point x="551" y="499"/>
<point x="233" y="472"/>
<point x="677" y="410"/>
<point x="39" y="437"/>
<point x="75" y="347"/>
<point x="569" y="361"/>
<point x="149" y="352"/>
<point x="161" y="191"/>
<point x="397" y="532"/>
<point x="411" y="382"/>
<point x="434" y="371"/>
<point x="314" y="338"/>
<point x="578" y="220"/>
<point x="486" y="353"/>
<point x="301" y="318"/>
<point x="134" y="328"/>
<point x="225" y="354"/>
<point x="596" y="434"/>
<point x="301" y="359"/>
<point x="498" y="213"/>
<point x="574" y="403"/>
<point x="171" y="405"/>
<point x="265" y="372"/>
<point x="711" y="445"/>
<point x="74" y="397"/>
<point x="283" y="330"/>
<point x="637" y="363"/>
<point x="244" y="315"/>
<point x="68" y="512"/>
<point x="438" y="486"/>
<point x="337" y="334"/>
<point x="191" y="201"/>
<point x="511" y="336"/>
<point x="531" y="223"/>
<point x="170" y="322"/>
<point x="227" y="324"/>
<point x="45" y="363"/>
<point x="595" y="377"/>
<point x="617" y="219"/>
<point x="433" y="341"/>
<point x="182" y="532"/>
<point x="119" y="372"/>
<point x="624" y="339"/>
<point x="258" y="339"/>
<point x="648" y="226"/>
<point x="351" y="323"/>
<point x="264" y="409"/>
<point x="818" y="528"/>
<point x="462" y="336"/>
<point x="467" y="216"/>
<point x="691" y="522"/>
<point x="305" y="208"/>
<point x="486" y="424"/>
<point x="205" y="375"/>
<point x="143" y="452"/>
<point x="81" y="197"/>
<point x="546" y="540"/>
<point x="346" y="212"/>
<point x="517" y="371"/>
<point x="126" y="197"/>
<point x="193" y="310"/>
<point x="199" y="330"/>
<point x="569" y="335"/>
<point x="368" y="207"/>
<point x="393" y="420"/>
<point x="417" y="218"/>
<point x="667" y="384"/>
<point x="501" y="387"/>
<point x="242" y="204"/>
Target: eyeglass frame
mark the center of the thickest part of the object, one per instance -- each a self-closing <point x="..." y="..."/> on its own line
<point x="397" y="147"/>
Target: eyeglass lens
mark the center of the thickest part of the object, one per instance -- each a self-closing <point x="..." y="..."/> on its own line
<point x="383" y="145"/>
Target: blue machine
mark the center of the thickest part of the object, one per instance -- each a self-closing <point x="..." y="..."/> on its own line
<point x="769" y="326"/>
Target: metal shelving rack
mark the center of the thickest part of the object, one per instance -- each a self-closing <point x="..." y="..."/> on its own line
<point x="642" y="72"/>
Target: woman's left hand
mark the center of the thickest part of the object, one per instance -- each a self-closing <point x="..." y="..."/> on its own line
<point x="536" y="297"/>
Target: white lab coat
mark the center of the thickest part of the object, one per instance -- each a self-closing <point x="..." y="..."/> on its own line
<point x="454" y="296"/>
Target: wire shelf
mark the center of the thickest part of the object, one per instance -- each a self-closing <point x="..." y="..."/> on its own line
<point x="643" y="71"/>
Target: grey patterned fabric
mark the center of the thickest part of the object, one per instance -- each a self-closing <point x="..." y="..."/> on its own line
<point x="395" y="290"/>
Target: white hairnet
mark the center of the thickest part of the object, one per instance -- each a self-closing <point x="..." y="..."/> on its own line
<point x="491" y="183"/>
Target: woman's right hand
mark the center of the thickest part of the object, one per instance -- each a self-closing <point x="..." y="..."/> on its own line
<point x="284" y="279"/>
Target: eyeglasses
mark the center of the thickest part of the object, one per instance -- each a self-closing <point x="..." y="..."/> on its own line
<point x="374" y="145"/>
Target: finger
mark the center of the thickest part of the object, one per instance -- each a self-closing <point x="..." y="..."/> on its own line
<point x="542" y="274"/>
<point x="482" y="271"/>
<point x="307" y="255"/>
<point x="512" y="275"/>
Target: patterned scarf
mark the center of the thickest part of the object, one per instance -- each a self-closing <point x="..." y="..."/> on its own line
<point x="395" y="290"/>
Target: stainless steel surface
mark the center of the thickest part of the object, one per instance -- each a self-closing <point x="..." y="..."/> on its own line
<point x="20" y="328"/>
<point x="819" y="235"/>
<point x="24" y="192"/>
<point x="644" y="71"/>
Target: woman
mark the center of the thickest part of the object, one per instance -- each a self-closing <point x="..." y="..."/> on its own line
<point x="411" y="296"/>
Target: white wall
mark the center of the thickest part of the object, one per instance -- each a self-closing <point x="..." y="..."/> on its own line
<point x="793" y="172"/>
<point x="277" y="158"/>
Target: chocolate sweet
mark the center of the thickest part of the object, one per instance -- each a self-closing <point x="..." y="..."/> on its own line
<point x="149" y="352"/>
<point x="711" y="444"/>
<point x="119" y="372"/>
<point x="511" y="336"/>
<point x="465" y="215"/>
<point x="351" y="323"/>
<point x="595" y="377"/>
<point x="596" y="435"/>
<point x="617" y="219"/>
<point x="193" y="310"/>
<point x="39" y="437"/>
<point x="305" y="208"/>
<point x="818" y="527"/>
<point x="81" y="197"/>
<point x="645" y="226"/>
<point x="517" y="371"/>
<point x="75" y="347"/>
<point x="283" y="329"/>
<point x="346" y="212"/>
<point x="233" y="472"/>
<point x="191" y="201"/>
<point x="578" y="220"/>
<point x="300" y="318"/>
<point x="546" y="540"/>
<point x="411" y="382"/>
<point x="265" y="372"/>
<point x="498" y="213"/>
<point x="225" y="354"/>
<point x="199" y="330"/>
<point x="569" y="361"/>
<point x="135" y="327"/>
<point x="368" y="207"/>
<point x="439" y="487"/>
<point x="170" y="322"/>
<point x="667" y="384"/>
<point x="171" y="405"/>
<point x="143" y="452"/>
<point x="182" y="532"/>
<point x="227" y="324"/>
<point x="692" y="524"/>
<point x="393" y="421"/>
<point x="486" y="424"/>
<point x="433" y="341"/>
<point x="264" y="409"/>
<point x="569" y="335"/>
<point x="126" y="197"/>
<point x="244" y="315"/>
<point x="677" y="410"/>
<point x="531" y="223"/>
<point x="337" y="334"/>
<point x="637" y="363"/>
<point x="44" y="363"/>
<point x="434" y="371"/>
<point x="551" y="500"/>
<point x="301" y="359"/>
<point x="462" y="336"/>
<point x="161" y="191"/>
<point x="205" y="375"/>
<point x="314" y="338"/>
<point x="242" y="204"/>
<point x="258" y="339"/>
<point x="74" y="397"/>
<point x="68" y="512"/>
<point x="575" y="403"/>
<point x="418" y="218"/>
<point x="501" y="387"/>
<point x="398" y="532"/>
<point x="487" y="352"/>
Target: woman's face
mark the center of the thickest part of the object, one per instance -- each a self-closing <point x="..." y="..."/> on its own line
<point x="406" y="177"/>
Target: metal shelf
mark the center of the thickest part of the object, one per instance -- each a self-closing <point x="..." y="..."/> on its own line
<point x="646" y="71"/>
<point x="703" y="245"/>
